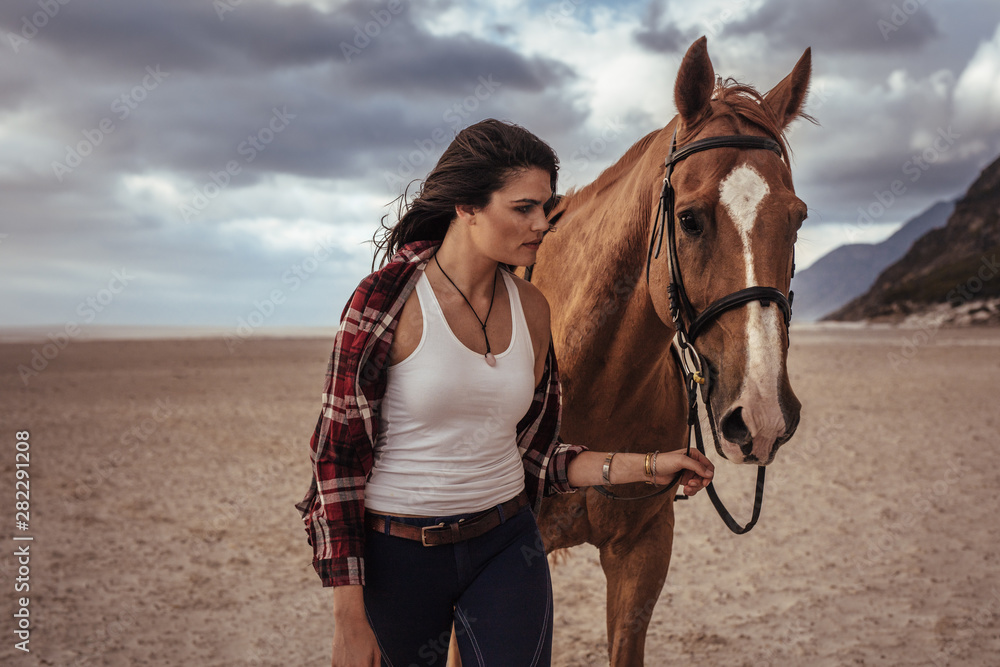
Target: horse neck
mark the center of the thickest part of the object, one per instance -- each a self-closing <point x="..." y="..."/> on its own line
<point x="605" y="325"/>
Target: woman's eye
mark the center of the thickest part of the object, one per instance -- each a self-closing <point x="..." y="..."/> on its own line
<point x="689" y="223"/>
<point x="524" y="209"/>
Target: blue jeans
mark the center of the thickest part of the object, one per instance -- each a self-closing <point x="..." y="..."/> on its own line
<point x="495" y="587"/>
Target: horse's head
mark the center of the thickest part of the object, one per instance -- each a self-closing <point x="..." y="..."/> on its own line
<point x="735" y="220"/>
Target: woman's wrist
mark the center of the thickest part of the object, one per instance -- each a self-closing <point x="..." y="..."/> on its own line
<point x="628" y="467"/>
<point x="348" y="601"/>
<point x="587" y="468"/>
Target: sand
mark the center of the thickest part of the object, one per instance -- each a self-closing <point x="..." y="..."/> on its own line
<point x="164" y="473"/>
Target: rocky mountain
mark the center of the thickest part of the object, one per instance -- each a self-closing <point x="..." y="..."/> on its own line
<point x="848" y="270"/>
<point x="951" y="272"/>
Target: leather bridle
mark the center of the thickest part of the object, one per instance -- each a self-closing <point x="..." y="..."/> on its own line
<point x="688" y="324"/>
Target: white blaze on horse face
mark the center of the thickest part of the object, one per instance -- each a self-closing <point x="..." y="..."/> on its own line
<point x="742" y="192"/>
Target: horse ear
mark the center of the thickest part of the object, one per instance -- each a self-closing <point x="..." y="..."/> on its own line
<point x="695" y="82"/>
<point x="787" y="98"/>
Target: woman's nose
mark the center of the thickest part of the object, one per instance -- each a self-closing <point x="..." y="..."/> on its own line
<point x="539" y="223"/>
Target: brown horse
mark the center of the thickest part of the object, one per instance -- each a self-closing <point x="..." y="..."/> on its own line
<point x="736" y="220"/>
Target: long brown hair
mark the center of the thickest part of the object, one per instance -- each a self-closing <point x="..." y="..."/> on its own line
<point x="476" y="164"/>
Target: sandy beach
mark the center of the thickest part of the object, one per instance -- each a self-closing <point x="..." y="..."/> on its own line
<point x="164" y="473"/>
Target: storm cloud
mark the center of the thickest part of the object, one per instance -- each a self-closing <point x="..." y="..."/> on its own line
<point x="214" y="149"/>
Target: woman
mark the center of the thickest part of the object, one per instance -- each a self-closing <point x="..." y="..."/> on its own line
<point x="438" y="437"/>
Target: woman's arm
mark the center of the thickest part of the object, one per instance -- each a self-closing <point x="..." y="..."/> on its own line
<point x="586" y="469"/>
<point x="354" y="643"/>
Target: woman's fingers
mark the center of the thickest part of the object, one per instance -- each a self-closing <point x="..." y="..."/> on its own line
<point x="698" y="471"/>
<point x="703" y="460"/>
<point x="695" y="468"/>
<point x="698" y="463"/>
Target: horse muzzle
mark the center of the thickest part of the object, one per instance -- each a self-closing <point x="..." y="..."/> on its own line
<point x="751" y="432"/>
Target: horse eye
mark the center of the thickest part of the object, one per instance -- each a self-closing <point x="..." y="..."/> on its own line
<point x="689" y="223"/>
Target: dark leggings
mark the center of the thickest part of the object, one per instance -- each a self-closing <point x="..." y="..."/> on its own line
<point x="495" y="587"/>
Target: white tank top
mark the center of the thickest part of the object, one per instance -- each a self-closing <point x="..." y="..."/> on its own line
<point x="448" y="422"/>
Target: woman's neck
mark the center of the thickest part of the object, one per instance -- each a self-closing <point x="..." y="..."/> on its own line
<point x="472" y="272"/>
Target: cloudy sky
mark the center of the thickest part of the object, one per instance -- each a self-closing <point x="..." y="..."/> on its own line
<point x="193" y="162"/>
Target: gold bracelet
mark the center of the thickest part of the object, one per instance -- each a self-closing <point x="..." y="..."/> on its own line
<point x="654" y="468"/>
<point x="606" y="470"/>
<point x="649" y="457"/>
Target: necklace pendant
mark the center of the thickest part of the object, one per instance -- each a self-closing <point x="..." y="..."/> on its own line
<point x="490" y="359"/>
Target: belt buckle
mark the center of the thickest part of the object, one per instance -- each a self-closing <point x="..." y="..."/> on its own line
<point x="423" y="533"/>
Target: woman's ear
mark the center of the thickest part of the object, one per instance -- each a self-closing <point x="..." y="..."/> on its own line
<point x="465" y="213"/>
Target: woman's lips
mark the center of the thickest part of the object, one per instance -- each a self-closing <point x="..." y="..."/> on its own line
<point x="534" y="244"/>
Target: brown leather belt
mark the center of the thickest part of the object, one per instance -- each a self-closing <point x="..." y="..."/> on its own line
<point x="449" y="533"/>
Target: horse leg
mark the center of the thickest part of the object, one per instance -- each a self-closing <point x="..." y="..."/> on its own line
<point x="636" y="568"/>
<point x="454" y="659"/>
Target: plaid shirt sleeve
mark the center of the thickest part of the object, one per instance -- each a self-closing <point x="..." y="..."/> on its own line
<point x="545" y="456"/>
<point x="333" y="508"/>
<point x="341" y="444"/>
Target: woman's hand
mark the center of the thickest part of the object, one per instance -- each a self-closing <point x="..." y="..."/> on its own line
<point x="354" y="643"/>
<point x="698" y="470"/>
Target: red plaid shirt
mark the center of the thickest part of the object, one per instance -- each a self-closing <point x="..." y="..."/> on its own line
<point x="333" y="508"/>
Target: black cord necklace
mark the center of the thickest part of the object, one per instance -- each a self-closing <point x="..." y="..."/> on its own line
<point x="490" y="359"/>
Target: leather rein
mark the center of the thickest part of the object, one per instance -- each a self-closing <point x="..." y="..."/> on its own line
<point x="688" y="324"/>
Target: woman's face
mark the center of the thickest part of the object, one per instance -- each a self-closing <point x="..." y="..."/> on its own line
<point x="509" y="229"/>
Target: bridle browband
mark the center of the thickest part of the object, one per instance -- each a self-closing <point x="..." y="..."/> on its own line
<point x="688" y="324"/>
<point x="665" y="211"/>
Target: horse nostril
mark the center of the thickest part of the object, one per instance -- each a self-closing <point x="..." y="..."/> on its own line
<point x="735" y="430"/>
